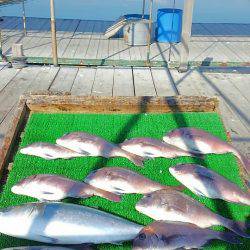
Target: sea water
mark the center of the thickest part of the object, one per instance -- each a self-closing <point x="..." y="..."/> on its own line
<point x="206" y="11"/>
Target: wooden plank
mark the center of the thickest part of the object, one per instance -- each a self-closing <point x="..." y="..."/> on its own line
<point x="104" y="80"/>
<point x="64" y="80"/>
<point x="12" y="136"/>
<point x="18" y="85"/>
<point x="239" y="81"/>
<point x="85" y="37"/>
<point x="100" y="104"/>
<point x="205" y="85"/>
<point x="84" y="81"/>
<point x="144" y="85"/>
<point x="163" y="81"/>
<point x="185" y="82"/>
<point x="6" y="75"/>
<point x="123" y="82"/>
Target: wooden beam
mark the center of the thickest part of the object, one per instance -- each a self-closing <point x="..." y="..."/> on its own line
<point x="186" y="34"/>
<point x="45" y="102"/>
<point x="53" y="33"/>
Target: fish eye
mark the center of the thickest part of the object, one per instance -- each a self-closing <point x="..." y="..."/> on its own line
<point x="142" y="236"/>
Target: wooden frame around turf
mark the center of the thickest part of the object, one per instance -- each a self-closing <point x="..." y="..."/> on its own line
<point x="47" y="102"/>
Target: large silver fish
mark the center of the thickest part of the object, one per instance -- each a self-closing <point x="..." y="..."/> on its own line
<point x="92" y="145"/>
<point x="201" y="142"/>
<point x="49" y="151"/>
<point x="152" y="148"/>
<point x="162" y="235"/>
<point x="207" y="183"/>
<point x="171" y="205"/>
<point x="124" y="181"/>
<point x="55" y="188"/>
<point x="62" y="223"/>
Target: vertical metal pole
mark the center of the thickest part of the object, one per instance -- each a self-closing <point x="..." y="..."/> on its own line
<point x="186" y="34"/>
<point x="143" y="8"/>
<point x="24" y="19"/>
<point x="53" y="32"/>
<point x="149" y="29"/>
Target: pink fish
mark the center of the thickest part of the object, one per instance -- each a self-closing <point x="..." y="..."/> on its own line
<point x="91" y="145"/>
<point x="55" y="188"/>
<point x="201" y="142"/>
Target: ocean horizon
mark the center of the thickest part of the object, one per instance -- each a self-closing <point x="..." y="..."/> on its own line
<point x="206" y="11"/>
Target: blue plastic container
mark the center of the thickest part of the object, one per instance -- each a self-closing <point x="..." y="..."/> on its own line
<point x="169" y="25"/>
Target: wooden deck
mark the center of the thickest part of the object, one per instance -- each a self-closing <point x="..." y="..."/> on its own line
<point x="231" y="88"/>
<point x="84" y="39"/>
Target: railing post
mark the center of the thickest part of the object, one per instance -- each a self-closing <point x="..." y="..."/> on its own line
<point x="53" y="33"/>
<point x="186" y="34"/>
<point x="149" y="30"/>
<point x="24" y="19"/>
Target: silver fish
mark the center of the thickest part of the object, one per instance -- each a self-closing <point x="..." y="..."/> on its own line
<point x="49" y="151"/>
<point x="62" y="223"/>
<point x="171" y="205"/>
<point x="152" y="148"/>
<point x="207" y="183"/>
<point x="92" y="145"/>
<point x="124" y="181"/>
<point x="162" y="235"/>
<point x="55" y="188"/>
<point x="201" y="142"/>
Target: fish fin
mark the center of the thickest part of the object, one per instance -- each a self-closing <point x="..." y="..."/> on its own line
<point x="177" y="188"/>
<point x="48" y="156"/>
<point x="107" y="195"/>
<point x="237" y="227"/>
<point x="198" y="192"/>
<point x="48" y="239"/>
<point x="137" y="160"/>
<point x="227" y="237"/>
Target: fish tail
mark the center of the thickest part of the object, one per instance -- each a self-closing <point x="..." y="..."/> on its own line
<point x="107" y="195"/>
<point x="136" y="159"/>
<point x="237" y="227"/>
<point x="227" y="237"/>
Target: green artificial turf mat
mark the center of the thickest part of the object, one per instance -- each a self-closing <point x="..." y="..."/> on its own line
<point x="116" y="128"/>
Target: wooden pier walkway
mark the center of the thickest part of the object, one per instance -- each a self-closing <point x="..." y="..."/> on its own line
<point x="85" y="40"/>
<point x="231" y="88"/>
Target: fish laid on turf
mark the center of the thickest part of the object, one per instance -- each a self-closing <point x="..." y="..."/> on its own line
<point x="92" y="145"/>
<point x="201" y="142"/>
<point x="124" y="181"/>
<point x="175" y="235"/>
<point x="63" y="223"/>
<point x="171" y="205"/>
<point x="49" y="151"/>
<point x="152" y="148"/>
<point x="207" y="183"/>
<point x="55" y="188"/>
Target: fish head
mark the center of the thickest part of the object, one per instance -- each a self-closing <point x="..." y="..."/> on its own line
<point x="28" y="186"/>
<point x="180" y="170"/>
<point x="148" y="238"/>
<point x="32" y="149"/>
